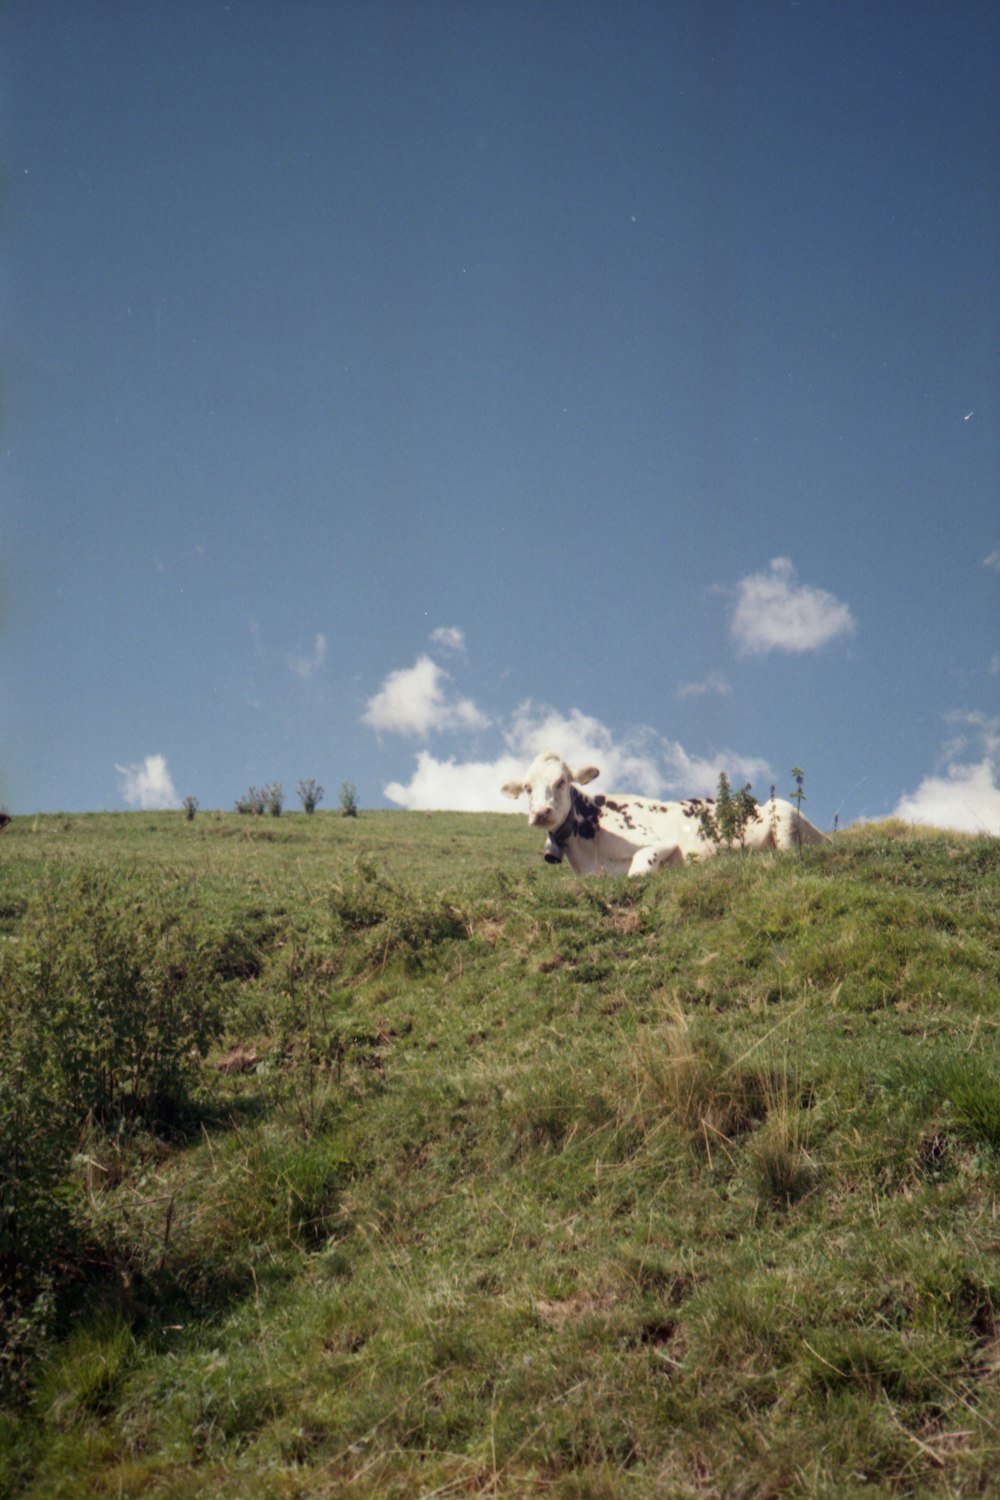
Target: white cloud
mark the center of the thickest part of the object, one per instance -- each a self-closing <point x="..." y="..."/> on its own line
<point x="583" y="740"/>
<point x="775" y="613"/>
<point x="993" y="561"/>
<point x="965" y="795"/>
<point x="467" y="786"/>
<point x="698" y="776"/>
<point x="713" y="683"/>
<point x="415" y="701"/>
<point x="639" y="762"/>
<point x="966" y="798"/>
<point x="147" y="785"/>
<point x="307" y="666"/>
<point x="421" y="700"/>
<point x="449" y="637"/>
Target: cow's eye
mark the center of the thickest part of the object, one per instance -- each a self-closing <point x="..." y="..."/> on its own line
<point x="560" y="783"/>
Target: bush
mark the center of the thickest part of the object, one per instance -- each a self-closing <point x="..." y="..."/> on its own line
<point x="107" y="1002"/>
<point x="123" y="992"/>
<point x="728" y="820"/>
<point x="36" y="1142"/>
<point x="253" y="802"/>
<point x="310" y="795"/>
<point x="348" y="799"/>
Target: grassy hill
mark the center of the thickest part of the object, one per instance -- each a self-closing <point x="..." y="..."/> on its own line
<point x="377" y="1157"/>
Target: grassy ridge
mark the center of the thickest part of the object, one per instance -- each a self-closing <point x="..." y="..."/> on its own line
<point x="480" y="1180"/>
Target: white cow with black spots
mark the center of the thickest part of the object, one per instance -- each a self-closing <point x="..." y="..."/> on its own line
<point x="624" y="835"/>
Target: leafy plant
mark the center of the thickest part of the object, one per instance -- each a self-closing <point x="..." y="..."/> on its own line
<point x="253" y="801"/>
<point x="36" y="1141"/>
<point x="108" y="1001"/>
<point x="123" y="992"/>
<point x="348" y="799"/>
<point x="727" y="819"/>
<point x="190" y="808"/>
<point x="274" y="798"/>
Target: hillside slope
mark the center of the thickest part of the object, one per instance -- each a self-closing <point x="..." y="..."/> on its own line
<point x="377" y="1157"/>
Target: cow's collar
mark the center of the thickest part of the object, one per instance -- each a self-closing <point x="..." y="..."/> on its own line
<point x="555" y="844"/>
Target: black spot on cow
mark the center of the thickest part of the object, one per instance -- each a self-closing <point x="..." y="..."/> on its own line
<point x="587" y="814"/>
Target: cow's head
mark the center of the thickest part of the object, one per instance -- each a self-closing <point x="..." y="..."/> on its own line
<point x="547" y="784"/>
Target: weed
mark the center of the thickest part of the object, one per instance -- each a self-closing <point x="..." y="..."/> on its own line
<point x="798" y="797"/>
<point x="726" y="820"/>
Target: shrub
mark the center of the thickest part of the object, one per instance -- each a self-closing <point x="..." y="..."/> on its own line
<point x="348" y="799"/>
<point x="190" y="808"/>
<point x="726" y="822"/>
<point x="107" y="1003"/>
<point x="310" y="794"/>
<point x="121" y="992"/>
<point x="252" y="802"/>
<point x="36" y="1142"/>
<point x="274" y="798"/>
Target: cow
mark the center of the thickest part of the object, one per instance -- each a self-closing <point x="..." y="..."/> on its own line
<point x="4" y="820"/>
<point x="616" y="835"/>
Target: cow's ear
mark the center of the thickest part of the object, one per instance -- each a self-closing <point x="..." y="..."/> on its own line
<point x="585" y="774"/>
<point x="512" y="789"/>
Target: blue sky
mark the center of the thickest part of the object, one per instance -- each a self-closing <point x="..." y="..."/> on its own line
<point x="392" y="390"/>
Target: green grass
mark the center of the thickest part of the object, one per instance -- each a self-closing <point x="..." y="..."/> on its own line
<point x="480" y="1180"/>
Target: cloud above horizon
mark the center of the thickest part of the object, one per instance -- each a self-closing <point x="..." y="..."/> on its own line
<point x="639" y="761"/>
<point x="305" y="667"/>
<point x="965" y="796"/>
<point x="416" y="701"/>
<point x="774" y="612"/>
<point x="147" y="785"/>
<point x="715" y="682"/>
<point x="449" y="637"/>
